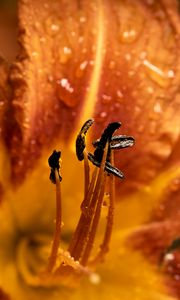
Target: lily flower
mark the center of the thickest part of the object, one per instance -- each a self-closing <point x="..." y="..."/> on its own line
<point x="88" y="232"/>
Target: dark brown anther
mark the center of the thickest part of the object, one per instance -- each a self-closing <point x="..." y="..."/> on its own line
<point x="121" y="141"/>
<point x="105" y="137"/>
<point x="108" y="167"/>
<point x="80" y="141"/>
<point x="54" y="163"/>
<point x="118" y="142"/>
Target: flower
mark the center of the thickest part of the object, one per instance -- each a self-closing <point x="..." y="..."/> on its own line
<point x="113" y="61"/>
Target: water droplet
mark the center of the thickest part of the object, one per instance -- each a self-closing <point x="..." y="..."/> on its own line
<point x="65" y="54"/>
<point x="103" y="114"/>
<point x="106" y="98"/>
<point x="128" y="36"/>
<point x="37" y="24"/>
<point x="80" y="39"/>
<point x="91" y="62"/>
<point x="80" y="70"/>
<point x="34" y="54"/>
<point x="150" y="90"/>
<point x="54" y="27"/>
<point x="65" y="92"/>
<point x="119" y="94"/>
<point x="131" y="24"/>
<point x="128" y="56"/>
<point x="101" y="117"/>
<point x="66" y="85"/>
<point x="157" y="108"/>
<point x="170" y="74"/>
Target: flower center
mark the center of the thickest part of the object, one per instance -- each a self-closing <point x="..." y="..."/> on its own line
<point x="66" y="267"/>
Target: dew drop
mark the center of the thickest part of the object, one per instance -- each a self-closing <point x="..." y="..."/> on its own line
<point x="65" y="84"/>
<point x="157" y="108"/>
<point x="103" y="114"/>
<point x="170" y="74"/>
<point x="65" y="92"/>
<point x="128" y="56"/>
<point x="80" y="39"/>
<point x="101" y="117"/>
<point x="119" y="94"/>
<point x="54" y="27"/>
<point x="80" y="70"/>
<point x="65" y="54"/>
<point x="91" y="62"/>
<point x="106" y="98"/>
<point x="82" y="19"/>
<point x="128" y="36"/>
<point x="150" y="90"/>
<point x="34" y="54"/>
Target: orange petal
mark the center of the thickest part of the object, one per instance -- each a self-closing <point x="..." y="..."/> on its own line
<point x="110" y="60"/>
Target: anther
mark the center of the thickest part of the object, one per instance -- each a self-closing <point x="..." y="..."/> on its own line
<point x="108" y="167"/>
<point x="118" y="142"/>
<point x="80" y="141"/>
<point x="54" y="163"/>
<point x="105" y="137"/>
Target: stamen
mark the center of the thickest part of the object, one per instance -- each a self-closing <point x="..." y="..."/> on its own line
<point x="84" y="207"/>
<point x="104" y="248"/>
<point x="86" y="174"/>
<point x="54" y="164"/>
<point x="95" y="223"/>
<point x="68" y="266"/>
<point x="86" y="220"/>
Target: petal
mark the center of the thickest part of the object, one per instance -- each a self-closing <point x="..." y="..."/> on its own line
<point x="71" y="67"/>
<point x="154" y="238"/>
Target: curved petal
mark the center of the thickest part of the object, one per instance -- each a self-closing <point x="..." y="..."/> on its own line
<point x="71" y="67"/>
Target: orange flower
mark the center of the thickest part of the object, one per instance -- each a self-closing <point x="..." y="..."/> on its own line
<point x="113" y="61"/>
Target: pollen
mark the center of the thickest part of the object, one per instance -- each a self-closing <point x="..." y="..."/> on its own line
<point x="81" y="258"/>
